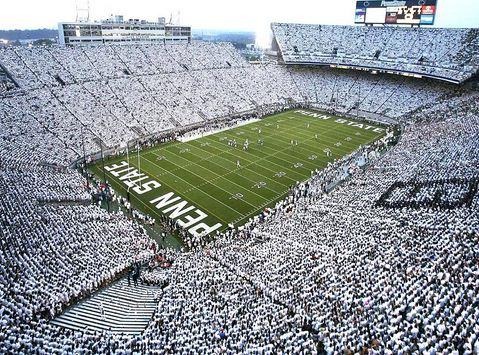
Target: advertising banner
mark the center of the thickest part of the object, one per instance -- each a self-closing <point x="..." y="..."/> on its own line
<point x="403" y="12"/>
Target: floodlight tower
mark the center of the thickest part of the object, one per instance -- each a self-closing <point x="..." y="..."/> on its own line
<point x="83" y="10"/>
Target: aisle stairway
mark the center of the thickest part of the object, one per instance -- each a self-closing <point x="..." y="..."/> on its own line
<point x="127" y="309"/>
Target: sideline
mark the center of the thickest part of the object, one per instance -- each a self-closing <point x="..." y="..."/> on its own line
<point x="192" y="137"/>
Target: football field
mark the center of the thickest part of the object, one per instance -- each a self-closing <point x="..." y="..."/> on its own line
<point x="210" y="182"/>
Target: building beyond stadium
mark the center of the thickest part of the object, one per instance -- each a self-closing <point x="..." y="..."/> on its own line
<point x="117" y="30"/>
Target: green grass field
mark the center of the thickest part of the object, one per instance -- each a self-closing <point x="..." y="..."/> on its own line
<point x="201" y="177"/>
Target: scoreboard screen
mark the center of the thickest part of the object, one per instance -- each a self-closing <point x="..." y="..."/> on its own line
<point x="400" y="12"/>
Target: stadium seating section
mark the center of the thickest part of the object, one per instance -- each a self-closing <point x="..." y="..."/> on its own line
<point x="319" y="272"/>
<point x="446" y="54"/>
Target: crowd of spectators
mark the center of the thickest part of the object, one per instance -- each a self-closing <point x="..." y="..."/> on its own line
<point x="443" y="53"/>
<point x="56" y="247"/>
<point x="322" y="272"/>
<point x="5" y="83"/>
<point x="115" y="94"/>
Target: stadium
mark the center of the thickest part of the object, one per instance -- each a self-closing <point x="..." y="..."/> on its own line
<point x="161" y="194"/>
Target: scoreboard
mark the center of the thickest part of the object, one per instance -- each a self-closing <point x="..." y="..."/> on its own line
<point x="395" y="12"/>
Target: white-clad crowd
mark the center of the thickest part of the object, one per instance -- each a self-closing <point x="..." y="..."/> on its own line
<point x="5" y="83"/>
<point x="402" y="279"/>
<point x="444" y="53"/>
<point x="56" y="247"/>
<point x="386" y="263"/>
<point x="113" y="94"/>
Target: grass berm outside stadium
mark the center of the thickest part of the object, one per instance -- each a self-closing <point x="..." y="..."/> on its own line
<point x="204" y="171"/>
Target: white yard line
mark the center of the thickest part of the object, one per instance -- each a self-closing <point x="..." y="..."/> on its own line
<point x="158" y="211"/>
<point x="219" y="176"/>
<point x="282" y="167"/>
<point x="194" y="187"/>
<point x="219" y="156"/>
<point x="243" y="216"/>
